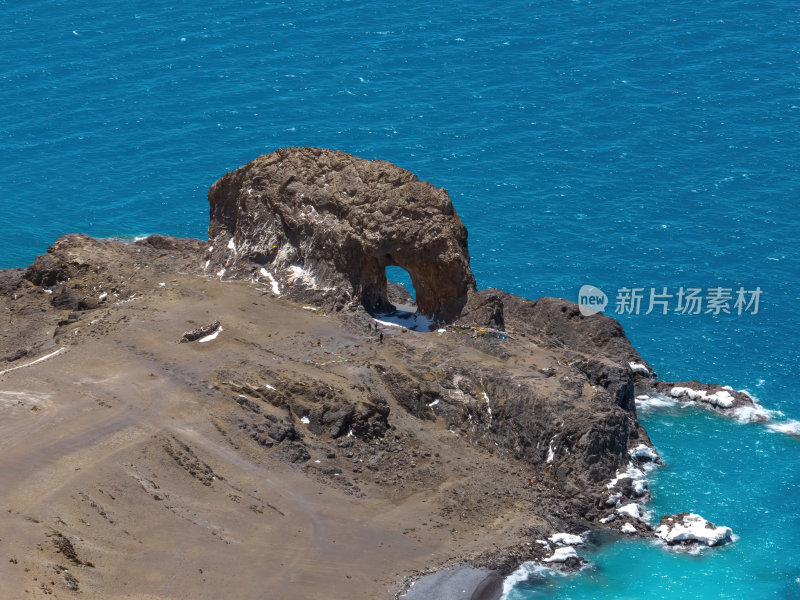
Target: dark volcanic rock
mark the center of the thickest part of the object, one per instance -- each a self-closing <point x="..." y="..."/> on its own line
<point x="561" y="321"/>
<point x="10" y="279"/>
<point x="328" y="224"/>
<point x="292" y="452"/>
<point x="196" y="334"/>
<point x="47" y="271"/>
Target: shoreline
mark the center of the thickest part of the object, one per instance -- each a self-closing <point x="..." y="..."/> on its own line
<point x="457" y="582"/>
<point x="242" y="395"/>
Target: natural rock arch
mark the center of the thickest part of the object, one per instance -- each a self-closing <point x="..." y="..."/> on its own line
<point x="323" y="220"/>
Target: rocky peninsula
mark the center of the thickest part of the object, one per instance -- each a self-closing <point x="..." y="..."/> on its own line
<point x="263" y="414"/>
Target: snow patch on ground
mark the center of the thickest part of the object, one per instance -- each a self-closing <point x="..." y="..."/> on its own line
<point x="566" y="539"/>
<point x="628" y="528"/>
<point x="640" y="368"/>
<point x="632" y="510"/>
<point x="561" y="554"/>
<point x="608" y="518"/>
<point x="305" y="420"/>
<point x="406" y="317"/>
<point x="550" y="453"/>
<point x="297" y="273"/>
<point x="275" y="289"/>
<point x="211" y="336"/>
<point x="633" y="472"/>
<point x="33" y="362"/>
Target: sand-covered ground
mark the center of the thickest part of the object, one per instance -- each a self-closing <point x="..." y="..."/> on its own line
<point x="130" y="464"/>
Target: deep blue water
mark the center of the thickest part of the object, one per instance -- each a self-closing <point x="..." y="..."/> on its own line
<point x="583" y="142"/>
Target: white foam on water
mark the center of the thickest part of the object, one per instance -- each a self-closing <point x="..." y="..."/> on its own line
<point x="526" y="571"/>
<point x="790" y="427"/>
<point x="644" y="452"/>
<point x="654" y="401"/>
<point x="756" y="413"/>
<point x="628" y="528"/>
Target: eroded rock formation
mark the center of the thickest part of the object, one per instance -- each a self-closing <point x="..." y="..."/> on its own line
<point x="328" y="222"/>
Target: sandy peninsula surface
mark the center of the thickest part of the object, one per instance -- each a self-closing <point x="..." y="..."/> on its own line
<point x="129" y="467"/>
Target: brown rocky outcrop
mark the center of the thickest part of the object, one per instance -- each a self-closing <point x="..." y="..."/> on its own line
<point x="326" y="223"/>
<point x="466" y="430"/>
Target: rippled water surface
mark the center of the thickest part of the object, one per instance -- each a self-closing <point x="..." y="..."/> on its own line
<point x="605" y="143"/>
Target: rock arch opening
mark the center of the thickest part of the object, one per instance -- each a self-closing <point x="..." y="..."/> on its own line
<point x="398" y="276"/>
<point x="399" y="300"/>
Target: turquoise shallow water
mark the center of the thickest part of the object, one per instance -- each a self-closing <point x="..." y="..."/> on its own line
<point x="610" y="143"/>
